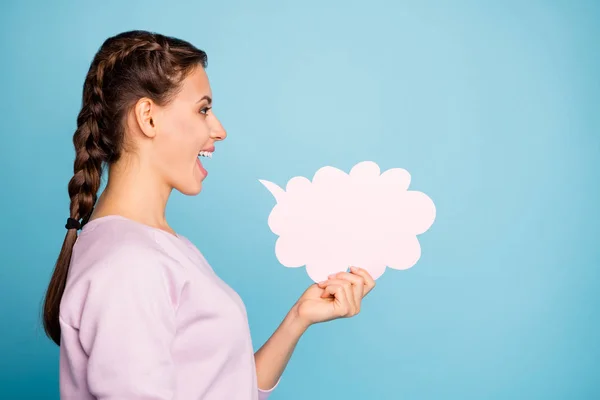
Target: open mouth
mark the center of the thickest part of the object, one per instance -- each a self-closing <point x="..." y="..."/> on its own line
<point x="204" y="153"/>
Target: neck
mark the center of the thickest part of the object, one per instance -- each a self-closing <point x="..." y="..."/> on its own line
<point x="134" y="192"/>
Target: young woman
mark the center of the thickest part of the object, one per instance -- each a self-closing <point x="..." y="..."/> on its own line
<point x="136" y="309"/>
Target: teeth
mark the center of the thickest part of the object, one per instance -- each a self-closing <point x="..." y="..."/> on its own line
<point x="205" y="154"/>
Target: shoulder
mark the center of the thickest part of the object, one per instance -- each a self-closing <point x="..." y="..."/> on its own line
<point x="118" y="254"/>
<point x="117" y="262"/>
<point x="111" y="240"/>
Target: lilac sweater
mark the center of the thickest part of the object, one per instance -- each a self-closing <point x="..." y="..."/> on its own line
<point x="144" y="316"/>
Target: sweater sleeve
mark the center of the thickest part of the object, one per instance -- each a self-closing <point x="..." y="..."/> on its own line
<point x="127" y="328"/>
<point x="264" y="394"/>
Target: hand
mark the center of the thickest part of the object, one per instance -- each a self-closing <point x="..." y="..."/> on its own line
<point x="338" y="297"/>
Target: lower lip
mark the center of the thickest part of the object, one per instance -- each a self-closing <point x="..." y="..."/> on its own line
<point x="199" y="164"/>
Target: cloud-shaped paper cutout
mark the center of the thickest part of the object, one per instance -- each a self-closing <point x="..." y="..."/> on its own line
<point x="364" y="219"/>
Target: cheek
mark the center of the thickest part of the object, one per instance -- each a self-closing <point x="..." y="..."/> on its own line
<point x="176" y="144"/>
<point x="184" y="134"/>
<point x="192" y="131"/>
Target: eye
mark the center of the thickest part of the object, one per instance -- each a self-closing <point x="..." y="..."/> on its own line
<point x="205" y="110"/>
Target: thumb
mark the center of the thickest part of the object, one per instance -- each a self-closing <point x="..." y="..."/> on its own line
<point x="325" y="294"/>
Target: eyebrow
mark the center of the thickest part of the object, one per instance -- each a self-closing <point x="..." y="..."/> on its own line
<point x="205" y="98"/>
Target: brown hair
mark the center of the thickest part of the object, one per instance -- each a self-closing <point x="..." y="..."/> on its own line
<point x="127" y="67"/>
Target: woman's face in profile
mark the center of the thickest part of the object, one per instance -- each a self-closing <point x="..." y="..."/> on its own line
<point x="184" y="128"/>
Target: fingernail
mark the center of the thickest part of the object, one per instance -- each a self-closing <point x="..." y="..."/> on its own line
<point x="331" y="276"/>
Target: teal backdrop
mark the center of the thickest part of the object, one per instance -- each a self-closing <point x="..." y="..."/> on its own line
<point x="494" y="109"/>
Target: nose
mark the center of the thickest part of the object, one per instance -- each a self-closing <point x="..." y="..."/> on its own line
<point x="217" y="132"/>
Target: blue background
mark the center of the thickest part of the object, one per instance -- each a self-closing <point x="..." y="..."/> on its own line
<point x="493" y="108"/>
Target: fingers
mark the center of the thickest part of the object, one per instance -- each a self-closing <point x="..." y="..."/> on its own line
<point x="342" y="304"/>
<point x="369" y="281"/>
<point x="348" y="288"/>
<point x="349" y="292"/>
<point x="358" y="273"/>
<point x="358" y="285"/>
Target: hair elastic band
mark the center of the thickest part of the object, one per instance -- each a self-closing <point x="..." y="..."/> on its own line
<point x="72" y="224"/>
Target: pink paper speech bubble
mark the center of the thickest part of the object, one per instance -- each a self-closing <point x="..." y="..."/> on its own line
<point x="364" y="219"/>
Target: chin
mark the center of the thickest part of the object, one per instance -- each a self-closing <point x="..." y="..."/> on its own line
<point x="190" y="189"/>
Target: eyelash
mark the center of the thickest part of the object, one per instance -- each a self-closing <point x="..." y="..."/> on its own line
<point x="206" y="109"/>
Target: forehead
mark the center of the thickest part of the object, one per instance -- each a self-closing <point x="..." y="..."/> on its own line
<point x="195" y="86"/>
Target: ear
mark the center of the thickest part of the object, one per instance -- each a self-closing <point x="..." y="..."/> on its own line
<point x="144" y="110"/>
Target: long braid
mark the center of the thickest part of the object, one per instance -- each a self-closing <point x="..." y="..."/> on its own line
<point x="89" y="158"/>
<point x="83" y="188"/>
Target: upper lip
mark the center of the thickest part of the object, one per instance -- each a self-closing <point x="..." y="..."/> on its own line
<point x="209" y="149"/>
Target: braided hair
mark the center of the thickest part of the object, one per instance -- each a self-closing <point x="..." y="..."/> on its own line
<point x="127" y="67"/>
